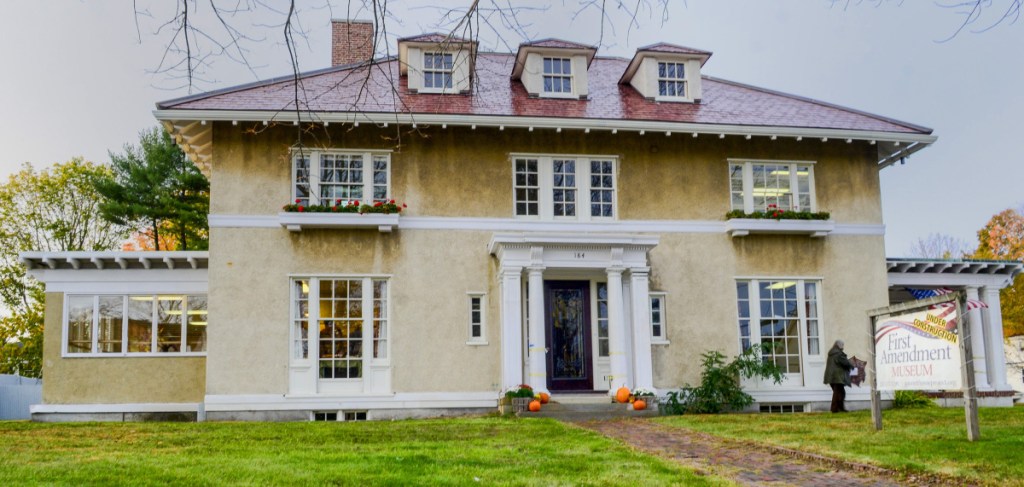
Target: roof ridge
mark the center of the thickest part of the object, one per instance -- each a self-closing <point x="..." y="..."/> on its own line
<point x="875" y="116"/>
<point x="270" y="81"/>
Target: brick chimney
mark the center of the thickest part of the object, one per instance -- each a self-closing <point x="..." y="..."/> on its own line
<point x="351" y="41"/>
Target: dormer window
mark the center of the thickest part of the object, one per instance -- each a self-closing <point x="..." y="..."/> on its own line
<point x="554" y="68"/>
<point x="672" y="80"/>
<point x="437" y="63"/>
<point x="557" y="75"/>
<point x="666" y="72"/>
<point x="437" y="70"/>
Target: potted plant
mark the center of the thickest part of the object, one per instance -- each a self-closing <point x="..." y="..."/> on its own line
<point x="642" y="399"/>
<point x="518" y="398"/>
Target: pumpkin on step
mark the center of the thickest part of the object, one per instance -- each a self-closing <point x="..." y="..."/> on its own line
<point x="622" y="395"/>
<point x="534" y="406"/>
<point x="544" y="397"/>
<point x="639" y="405"/>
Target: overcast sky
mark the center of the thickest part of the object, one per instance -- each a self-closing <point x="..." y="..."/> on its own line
<point x="77" y="81"/>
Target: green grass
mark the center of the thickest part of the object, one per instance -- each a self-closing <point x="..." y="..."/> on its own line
<point x="476" y="451"/>
<point x="912" y="441"/>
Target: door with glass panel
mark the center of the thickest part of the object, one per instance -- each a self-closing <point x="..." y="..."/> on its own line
<point x="567" y="322"/>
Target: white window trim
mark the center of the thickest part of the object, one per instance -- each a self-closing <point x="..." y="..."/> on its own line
<point x="685" y="79"/>
<point x="313" y="357"/>
<point x="124" y="353"/>
<point x="545" y="174"/>
<point x="441" y="90"/>
<point x="748" y="180"/>
<point x="571" y="94"/>
<point x="314" y="171"/>
<point x="755" y="315"/>
<point x="663" y="338"/>
<point x="482" y="339"/>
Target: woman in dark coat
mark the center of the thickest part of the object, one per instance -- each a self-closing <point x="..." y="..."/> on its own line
<point x="837" y="375"/>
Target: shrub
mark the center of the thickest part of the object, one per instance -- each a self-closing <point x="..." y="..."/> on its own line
<point x="911" y="400"/>
<point x="719" y="390"/>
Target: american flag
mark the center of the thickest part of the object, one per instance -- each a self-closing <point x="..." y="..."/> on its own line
<point x="927" y="293"/>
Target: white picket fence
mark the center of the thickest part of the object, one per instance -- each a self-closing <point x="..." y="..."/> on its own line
<point x="17" y="394"/>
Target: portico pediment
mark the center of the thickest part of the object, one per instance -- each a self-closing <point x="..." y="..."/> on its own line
<point x="572" y="250"/>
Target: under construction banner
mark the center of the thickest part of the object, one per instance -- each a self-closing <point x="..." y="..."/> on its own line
<point x="918" y="351"/>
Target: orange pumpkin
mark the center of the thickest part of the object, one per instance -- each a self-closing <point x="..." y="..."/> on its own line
<point x="622" y="395"/>
<point x="544" y="397"/>
<point x="534" y="406"/>
<point x="639" y="405"/>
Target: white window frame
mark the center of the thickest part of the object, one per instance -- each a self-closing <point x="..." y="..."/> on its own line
<point x="482" y="339"/>
<point x="685" y="80"/>
<point x="754" y="305"/>
<point x="545" y="176"/>
<point x="313" y="357"/>
<point x="559" y="76"/>
<point x="94" y="348"/>
<point x="314" y="172"/>
<point x="433" y="70"/>
<point x="661" y="339"/>
<point x="748" y="181"/>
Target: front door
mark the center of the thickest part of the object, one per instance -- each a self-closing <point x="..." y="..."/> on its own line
<point x="567" y="329"/>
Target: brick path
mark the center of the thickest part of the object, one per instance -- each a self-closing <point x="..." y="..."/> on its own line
<point x="743" y="463"/>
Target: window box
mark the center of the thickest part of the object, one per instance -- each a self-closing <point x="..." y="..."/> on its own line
<point x="741" y="227"/>
<point x="296" y="222"/>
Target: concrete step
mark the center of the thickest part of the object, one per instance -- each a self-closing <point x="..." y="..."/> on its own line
<point x="576" y="412"/>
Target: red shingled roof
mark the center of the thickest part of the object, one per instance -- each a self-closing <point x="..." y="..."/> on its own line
<point x="370" y="89"/>
<point x="672" y="48"/>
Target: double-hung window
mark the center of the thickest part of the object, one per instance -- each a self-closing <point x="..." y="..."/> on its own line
<point x="340" y="323"/>
<point x="757" y="185"/>
<point x="564" y="187"/>
<point x="477" y="319"/>
<point x="785" y="315"/>
<point x="332" y="177"/>
<point x="126" y="325"/>
<point x="672" y="80"/>
<point x="557" y="75"/>
<point x="437" y="71"/>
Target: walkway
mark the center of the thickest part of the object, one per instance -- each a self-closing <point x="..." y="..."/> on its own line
<point x="744" y="463"/>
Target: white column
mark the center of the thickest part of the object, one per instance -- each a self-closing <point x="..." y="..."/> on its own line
<point x="511" y="327"/>
<point x="977" y="343"/>
<point x="538" y="346"/>
<point x="643" y="369"/>
<point x="996" y="353"/>
<point x="616" y="331"/>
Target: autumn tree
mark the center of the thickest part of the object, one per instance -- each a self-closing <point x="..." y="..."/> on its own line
<point x="53" y="210"/>
<point x="1003" y="238"/>
<point x="155" y="188"/>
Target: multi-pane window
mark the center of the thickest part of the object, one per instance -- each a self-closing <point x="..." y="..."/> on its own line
<point x="563" y="186"/>
<point x="581" y="188"/>
<point x="658" y="333"/>
<point x="476" y="318"/>
<point x="527" y="187"/>
<point x="602" y="319"/>
<point x="323" y="177"/>
<point x="756" y="185"/>
<point x="672" y="79"/>
<point x="437" y="70"/>
<point x="135" y="324"/>
<point x="782" y="314"/>
<point x="344" y="320"/>
<point x="557" y="75"/>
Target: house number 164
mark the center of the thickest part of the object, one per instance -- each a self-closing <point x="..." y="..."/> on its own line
<point x="581" y="255"/>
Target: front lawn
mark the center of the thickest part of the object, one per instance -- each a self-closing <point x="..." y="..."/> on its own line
<point x="484" y="451"/>
<point x="930" y="440"/>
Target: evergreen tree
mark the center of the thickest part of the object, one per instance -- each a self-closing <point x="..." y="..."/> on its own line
<point x="154" y="186"/>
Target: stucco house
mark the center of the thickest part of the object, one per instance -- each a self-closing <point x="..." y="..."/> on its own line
<point x="564" y="224"/>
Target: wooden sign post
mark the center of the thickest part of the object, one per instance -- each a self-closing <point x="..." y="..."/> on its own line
<point x="959" y="299"/>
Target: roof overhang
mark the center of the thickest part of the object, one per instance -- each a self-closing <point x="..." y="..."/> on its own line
<point x="952" y="272"/>
<point x="119" y="272"/>
<point x="192" y="129"/>
<point x="113" y="260"/>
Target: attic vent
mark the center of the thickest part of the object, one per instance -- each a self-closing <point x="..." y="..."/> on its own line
<point x="782" y="408"/>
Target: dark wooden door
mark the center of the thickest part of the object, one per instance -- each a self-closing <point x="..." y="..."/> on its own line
<point x="567" y="328"/>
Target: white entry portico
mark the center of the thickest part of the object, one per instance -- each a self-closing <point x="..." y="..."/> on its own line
<point x="619" y="260"/>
